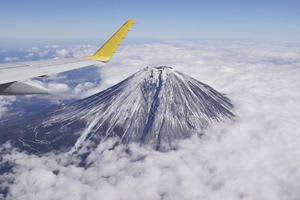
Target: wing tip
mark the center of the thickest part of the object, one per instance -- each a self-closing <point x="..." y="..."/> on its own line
<point x="131" y="21"/>
<point x="105" y="52"/>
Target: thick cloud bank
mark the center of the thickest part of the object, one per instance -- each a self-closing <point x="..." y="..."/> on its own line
<point x="255" y="157"/>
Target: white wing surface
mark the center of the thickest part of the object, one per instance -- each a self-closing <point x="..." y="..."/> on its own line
<point x="11" y="72"/>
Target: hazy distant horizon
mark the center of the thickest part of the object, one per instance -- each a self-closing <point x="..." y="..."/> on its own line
<point x="33" y="19"/>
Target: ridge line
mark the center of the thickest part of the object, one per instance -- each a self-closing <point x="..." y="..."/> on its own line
<point x="153" y="109"/>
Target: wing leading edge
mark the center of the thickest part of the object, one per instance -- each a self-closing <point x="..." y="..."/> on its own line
<point x="10" y="73"/>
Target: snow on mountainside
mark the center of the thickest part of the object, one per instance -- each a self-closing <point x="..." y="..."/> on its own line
<point x="155" y="106"/>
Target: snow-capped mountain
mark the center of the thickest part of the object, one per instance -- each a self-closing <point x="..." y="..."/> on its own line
<point x="155" y="106"/>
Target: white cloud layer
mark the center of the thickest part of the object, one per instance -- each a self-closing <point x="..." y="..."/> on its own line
<point x="256" y="157"/>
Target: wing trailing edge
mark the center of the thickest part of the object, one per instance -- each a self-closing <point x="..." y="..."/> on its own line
<point x="19" y="88"/>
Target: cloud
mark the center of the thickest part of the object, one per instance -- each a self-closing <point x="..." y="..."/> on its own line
<point x="5" y="102"/>
<point x="10" y="59"/>
<point x="75" y="51"/>
<point x="80" y="88"/>
<point x="34" y="50"/>
<point x="62" y="52"/>
<point x="29" y="55"/>
<point x="43" y="53"/>
<point x="255" y="157"/>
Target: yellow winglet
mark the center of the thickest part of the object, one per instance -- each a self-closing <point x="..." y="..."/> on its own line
<point x="108" y="49"/>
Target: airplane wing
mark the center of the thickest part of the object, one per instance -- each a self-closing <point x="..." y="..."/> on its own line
<point x="12" y="74"/>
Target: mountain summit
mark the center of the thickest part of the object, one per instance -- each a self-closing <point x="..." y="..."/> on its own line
<point x="154" y="106"/>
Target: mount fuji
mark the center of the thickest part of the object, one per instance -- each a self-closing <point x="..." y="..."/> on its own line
<point x="155" y="106"/>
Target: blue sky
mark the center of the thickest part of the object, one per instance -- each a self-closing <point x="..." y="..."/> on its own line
<point x="98" y="19"/>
